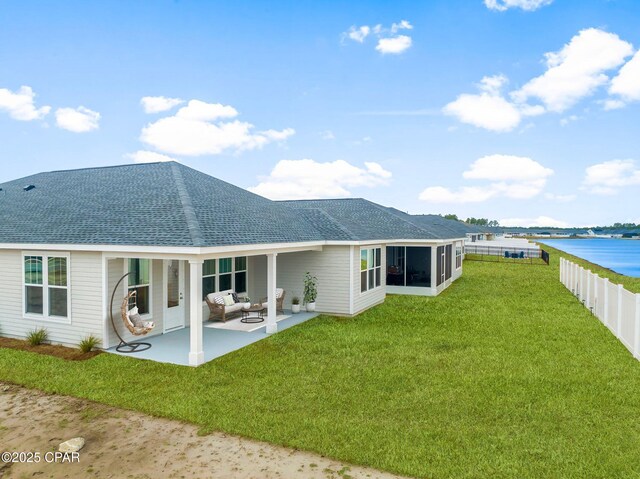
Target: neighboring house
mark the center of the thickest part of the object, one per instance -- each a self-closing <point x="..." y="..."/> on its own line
<point x="67" y="237"/>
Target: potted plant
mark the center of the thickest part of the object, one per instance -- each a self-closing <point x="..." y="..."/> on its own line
<point x="310" y="291"/>
<point x="295" y="304"/>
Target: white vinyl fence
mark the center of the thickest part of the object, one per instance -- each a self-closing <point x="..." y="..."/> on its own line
<point x="617" y="308"/>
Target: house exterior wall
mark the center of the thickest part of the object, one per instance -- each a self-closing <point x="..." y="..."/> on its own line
<point x="116" y="268"/>
<point x="330" y="266"/>
<point x="367" y="299"/>
<point x="257" y="280"/>
<point x="435" y="289"/>
<point x="85" y="288"/>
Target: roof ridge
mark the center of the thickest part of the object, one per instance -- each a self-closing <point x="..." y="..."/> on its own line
<point x="390" y="210"/>
<point x="336" y="223"/>
<point x="187" y="207"/>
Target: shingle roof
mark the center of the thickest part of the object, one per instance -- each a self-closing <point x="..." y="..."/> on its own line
<point x="169" y="204"/>
<point x="163" y="204"/>
<point x="363" y="220"/>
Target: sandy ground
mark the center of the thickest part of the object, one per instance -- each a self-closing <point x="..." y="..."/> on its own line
<point x="125" y="444"/>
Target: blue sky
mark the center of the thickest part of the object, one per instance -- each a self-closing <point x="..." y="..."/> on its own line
<point x="525" y="111"/>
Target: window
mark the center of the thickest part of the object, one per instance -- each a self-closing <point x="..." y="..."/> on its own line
<point x="140" y="281"/>
<point x="225" y="277"/>
<point x="370" y="266"/>
<point x="46" y="286"/>
<point x="208" y="277"/>
<point x="224" y="273"/>
<point x="458" y="255"/>
<point x="448" y="260"/>
<point x="240" y="274"/>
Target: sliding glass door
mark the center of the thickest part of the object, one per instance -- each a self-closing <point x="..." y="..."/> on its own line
<point x="409" y="266"/>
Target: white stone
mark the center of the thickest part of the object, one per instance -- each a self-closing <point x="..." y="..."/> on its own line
<point x="72" y="445"/>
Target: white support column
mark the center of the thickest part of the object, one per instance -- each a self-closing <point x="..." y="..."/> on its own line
<point x="272" y="326"/>
<point x="562" y="265"/>
<point x="619" y="325"/>
<point x="605" y="316"/>
<point x="636" y="345"/>
<point x="588" y="302"/>
<point x="196" y="352"/>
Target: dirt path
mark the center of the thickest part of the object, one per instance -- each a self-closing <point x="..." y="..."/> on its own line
<point x="124" y="444"/>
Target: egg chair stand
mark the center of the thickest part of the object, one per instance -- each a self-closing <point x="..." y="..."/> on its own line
<point x="124" y="346"/>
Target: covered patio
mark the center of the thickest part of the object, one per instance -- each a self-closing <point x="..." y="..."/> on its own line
<point x="174" y="347"/>
<point x="170" y="290"/>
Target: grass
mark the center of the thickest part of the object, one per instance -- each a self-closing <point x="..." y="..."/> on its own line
<point x="504" y="375"/>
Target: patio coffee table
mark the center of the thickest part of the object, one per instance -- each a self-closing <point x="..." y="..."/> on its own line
<point x="257" y="318"/>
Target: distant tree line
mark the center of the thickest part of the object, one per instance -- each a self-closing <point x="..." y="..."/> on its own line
<point x="473" y="221"/>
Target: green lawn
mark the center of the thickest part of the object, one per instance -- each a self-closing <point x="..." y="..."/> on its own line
<point x="505" y="375"/>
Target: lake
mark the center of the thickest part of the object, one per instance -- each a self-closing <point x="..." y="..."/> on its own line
<point x="621" y="256"/>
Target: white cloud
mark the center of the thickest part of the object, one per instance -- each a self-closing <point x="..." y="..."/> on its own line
<point x="489" y="109"/>
<point x="627" y="82"/>
<point x="394" y="45"/>
<point x="568" y="119"/>
<point x="20" y="105"/>
<point x="199" y="129"/>
<point x="540" y="221"/>
<point x="576" y="70"/>
<point x="506" y="168"/>
<point x="78" y="120"/>
<point x="529" y="5"/>
<point x="307" y="179"/>
<point x="573" y="73"/>
<point x="403" y="25"/>
<point x="486" y="111"/>
<point x="145" y="156"/>
<point x="201" y="111"/>
<point x="358" y="34"/>
<point x="613" y="104"/>
<point x="466" y="194"/>
<point x="157" y="104"/>
<point x="389" y="42"/>
<point x="509" y="176"/>
<point x="327" y="135"/>
<point x="559" y="198"/>
<point x="608" y="177"/>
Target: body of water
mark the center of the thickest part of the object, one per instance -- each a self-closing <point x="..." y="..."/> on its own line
<point x="621" y="256"/>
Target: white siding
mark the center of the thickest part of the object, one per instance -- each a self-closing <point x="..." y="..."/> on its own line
<point x="330" y="266"/>
<point x="367" y="299"/>
<point x="257" y="280"/>
<point x="85" y="274"/>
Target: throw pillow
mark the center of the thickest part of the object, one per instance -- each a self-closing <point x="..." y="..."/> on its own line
<point x="235" y="297"/>
<point x="228" y="300"/>
<point x="218" y="300"/>
<point x="136" y="320"/>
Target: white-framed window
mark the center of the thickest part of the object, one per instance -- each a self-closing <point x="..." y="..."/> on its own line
<point x="458" y="255"/>
<point x="46" y="285"/>
<point x="224" y="273"/>
<point x="370" y="268"/>
<point x="140" y="281"/>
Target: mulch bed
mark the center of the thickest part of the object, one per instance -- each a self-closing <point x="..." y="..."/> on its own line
<point x="56" y="350"/>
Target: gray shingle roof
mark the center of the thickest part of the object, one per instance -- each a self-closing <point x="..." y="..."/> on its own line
<point x="163" y="204"/>
<point x="456" y="228"/>
<point x="363" y="220"/>
<point x="169" y="204"/>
